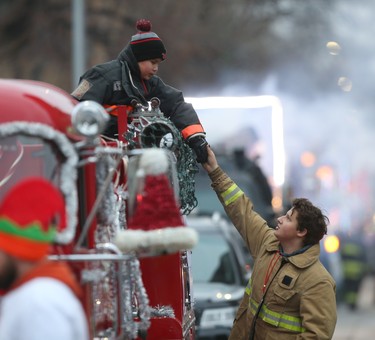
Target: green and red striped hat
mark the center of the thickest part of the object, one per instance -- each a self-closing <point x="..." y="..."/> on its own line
<point x="30" y="214"/>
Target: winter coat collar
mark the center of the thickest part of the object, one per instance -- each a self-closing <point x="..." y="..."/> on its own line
<point x="126" y="55"/>
<point x="300" y="260"/>
<point x="299" y="251"/>
<point x="131" y="76"/>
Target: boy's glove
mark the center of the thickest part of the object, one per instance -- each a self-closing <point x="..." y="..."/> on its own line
<point x="199" y="145"/>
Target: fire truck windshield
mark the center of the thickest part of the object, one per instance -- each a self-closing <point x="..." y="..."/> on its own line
<point x="24" y="156"/>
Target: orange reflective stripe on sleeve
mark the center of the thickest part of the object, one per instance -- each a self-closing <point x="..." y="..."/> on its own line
<point x="191" y="130"/>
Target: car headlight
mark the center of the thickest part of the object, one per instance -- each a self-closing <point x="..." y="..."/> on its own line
<point x="89" y="118"/>
<point x="218" y="317"/>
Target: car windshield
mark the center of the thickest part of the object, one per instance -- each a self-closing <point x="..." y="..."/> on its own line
<point x="212" y="260"/>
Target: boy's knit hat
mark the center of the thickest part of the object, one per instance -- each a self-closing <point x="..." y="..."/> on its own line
<point x="146" y="45"/>
<point x="29" y="216"/>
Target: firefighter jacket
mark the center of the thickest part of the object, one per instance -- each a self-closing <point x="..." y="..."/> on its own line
<point x="118" y="82"/>
<point x="298" y="300"/>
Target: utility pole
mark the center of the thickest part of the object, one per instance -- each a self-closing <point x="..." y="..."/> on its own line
<point x="78" y="40"/>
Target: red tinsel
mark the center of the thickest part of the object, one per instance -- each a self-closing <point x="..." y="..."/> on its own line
<point x="158" y="207"/>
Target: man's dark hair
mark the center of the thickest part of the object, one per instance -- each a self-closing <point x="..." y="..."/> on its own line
<point x="311" y="218"/>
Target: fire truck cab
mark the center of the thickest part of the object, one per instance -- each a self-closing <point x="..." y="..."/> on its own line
<point x="129" y="293"/>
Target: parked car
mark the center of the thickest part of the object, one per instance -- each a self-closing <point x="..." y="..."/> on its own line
<point x="220" y="272"/>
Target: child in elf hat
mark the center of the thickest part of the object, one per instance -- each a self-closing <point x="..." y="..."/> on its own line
<point x="41" y="298"/>
<point x="133" y="76"/>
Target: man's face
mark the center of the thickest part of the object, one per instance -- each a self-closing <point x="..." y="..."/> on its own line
<point x="286" y="228"/>
<point x="8" y="271"/>
<point x="149" y="68"/>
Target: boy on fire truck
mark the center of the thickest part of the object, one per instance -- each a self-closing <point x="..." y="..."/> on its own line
<point x="131" y="78"/>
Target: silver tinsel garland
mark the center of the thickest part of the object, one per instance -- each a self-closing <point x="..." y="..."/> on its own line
<point x="68" y="175"/>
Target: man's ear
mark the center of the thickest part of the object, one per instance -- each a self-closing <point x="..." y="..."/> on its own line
<point x="302" y="233"/>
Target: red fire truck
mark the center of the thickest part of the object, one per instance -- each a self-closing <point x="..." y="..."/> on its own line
<point x="133" y="287"/>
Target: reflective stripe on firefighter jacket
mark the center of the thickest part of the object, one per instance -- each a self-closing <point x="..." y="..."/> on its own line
<point x="276" y="319"/>
<point x="231" y="194"/>
<point x="300" y="301"/>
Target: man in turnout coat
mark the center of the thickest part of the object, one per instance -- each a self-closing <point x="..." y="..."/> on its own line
<point x="290" y="294"/>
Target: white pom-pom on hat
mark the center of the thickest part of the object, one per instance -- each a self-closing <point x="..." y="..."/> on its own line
<point x="154" y="162"/>
<point x="167" y="240"/>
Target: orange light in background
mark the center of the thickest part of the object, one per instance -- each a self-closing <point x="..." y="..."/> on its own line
<point x="326" y="176"/>
<point x="324" y="173"/>
<point x="331" y="244"/>
<point x="307" y="159"/>
<point x="277" y="203"/>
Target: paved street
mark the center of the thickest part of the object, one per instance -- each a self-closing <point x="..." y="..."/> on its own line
<point x="360" y="324"/>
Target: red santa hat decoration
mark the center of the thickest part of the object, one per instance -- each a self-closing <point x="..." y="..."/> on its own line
<point x="156" y="225"/>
